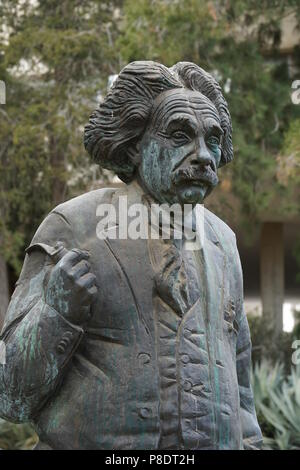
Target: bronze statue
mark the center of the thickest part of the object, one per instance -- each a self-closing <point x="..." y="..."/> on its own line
<point x="116" y="342"/>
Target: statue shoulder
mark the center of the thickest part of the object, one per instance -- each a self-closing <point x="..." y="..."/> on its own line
<point x="220" y="227"/>
<point x="74" y="220"/>
<point x="84" y="206"/>
<point x="219" y="231"/>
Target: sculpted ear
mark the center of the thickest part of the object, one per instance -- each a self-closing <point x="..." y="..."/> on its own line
<point x="133" y="153"/>
<point x="227" y="148"/>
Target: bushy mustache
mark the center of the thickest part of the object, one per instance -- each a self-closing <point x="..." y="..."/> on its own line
<point x="195" y="173"/>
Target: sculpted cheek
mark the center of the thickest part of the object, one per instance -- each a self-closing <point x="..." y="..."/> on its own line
<point x="157" y="166"/>
<point x="175" y="156"/>
<point x="171" y="158"/>
<point x="151" y="166"/>
<point x="217" y="153"/>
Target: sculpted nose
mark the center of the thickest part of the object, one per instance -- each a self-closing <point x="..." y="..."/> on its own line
<point x="202" y="153"/>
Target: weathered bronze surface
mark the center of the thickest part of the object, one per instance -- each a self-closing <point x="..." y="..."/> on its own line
<point x="121" y="343"/>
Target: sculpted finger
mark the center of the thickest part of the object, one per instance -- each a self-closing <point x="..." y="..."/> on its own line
<point x="87" y="281"/>
<point x="73" y="257"/>
<point x="93" y="291"/>
<point x="81" y="268"/>
<point x="89" y="295"/>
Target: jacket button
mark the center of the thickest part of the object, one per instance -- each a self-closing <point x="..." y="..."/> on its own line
<point x="185" y="358"/>
<point x="63" y="344"/>
<point x="145" y="413"/>
<point x="144" y="358"/>
<point x="187" y="386"/>
<point x="60" y="348"/>
<point x="67" y="335"/>
<point x="187" y="332"/>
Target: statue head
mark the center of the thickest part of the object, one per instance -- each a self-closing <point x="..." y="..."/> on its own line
<point x="170" y="128"/>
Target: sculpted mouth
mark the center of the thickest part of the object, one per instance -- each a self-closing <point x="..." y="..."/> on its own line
<point x="196" y="175"/>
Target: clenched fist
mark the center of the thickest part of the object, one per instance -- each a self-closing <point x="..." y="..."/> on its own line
<point x="72" y="287"/>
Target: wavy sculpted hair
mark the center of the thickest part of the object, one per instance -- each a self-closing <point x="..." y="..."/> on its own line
<point x="114" y="129"/>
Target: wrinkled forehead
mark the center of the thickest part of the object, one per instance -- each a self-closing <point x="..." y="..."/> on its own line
<point x="189" y="104"/>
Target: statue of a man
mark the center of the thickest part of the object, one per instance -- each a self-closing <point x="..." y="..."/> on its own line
<point x="118" y="342"/>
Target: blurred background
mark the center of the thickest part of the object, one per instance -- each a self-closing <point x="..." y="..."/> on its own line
<point x="57" y="60"/>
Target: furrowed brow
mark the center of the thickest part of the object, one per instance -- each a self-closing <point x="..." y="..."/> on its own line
<point x="214" y="129"/>
<point x="182" y="122"/>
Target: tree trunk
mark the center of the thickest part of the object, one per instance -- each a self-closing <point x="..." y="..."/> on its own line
<point x="272" y="274"/>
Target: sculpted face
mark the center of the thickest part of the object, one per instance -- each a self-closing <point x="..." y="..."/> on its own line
<point x="181" y="148"/>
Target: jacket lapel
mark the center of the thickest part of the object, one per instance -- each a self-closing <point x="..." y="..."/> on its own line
<point x="133" y="259"/>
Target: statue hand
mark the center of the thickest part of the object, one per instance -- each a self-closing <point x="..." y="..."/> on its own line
<point x="72" y="287"/>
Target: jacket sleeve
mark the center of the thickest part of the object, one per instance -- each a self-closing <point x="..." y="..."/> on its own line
<point x="39" y="342"/>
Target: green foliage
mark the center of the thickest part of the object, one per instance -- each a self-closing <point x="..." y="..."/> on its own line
<point x="292" y="144"/>
<point x="54" y="62"/>
<point x="265" y="378"/>
<point x="276" y="385"/>
<point x="16" y="436"/>
<point x="169" y="31"/>
<point x="288" y="163"/>
<point x="277" y="401"/>
<point x="264" y="346"/>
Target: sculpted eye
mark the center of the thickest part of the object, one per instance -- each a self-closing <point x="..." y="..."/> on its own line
<point x="180" y="137"/>
<point x="213" y="140"/>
